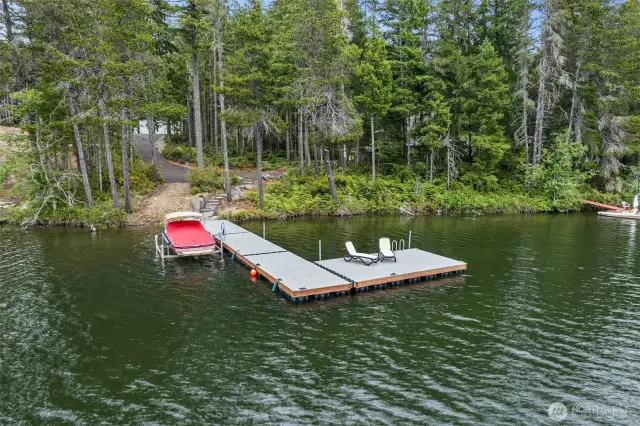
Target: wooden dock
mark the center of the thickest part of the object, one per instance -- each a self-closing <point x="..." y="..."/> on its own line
<point x="301" y="280"/>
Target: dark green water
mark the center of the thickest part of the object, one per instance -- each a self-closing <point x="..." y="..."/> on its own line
<point x="94" y="328"/>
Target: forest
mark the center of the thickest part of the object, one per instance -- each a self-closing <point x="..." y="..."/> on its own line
<point x="370" y="106"/>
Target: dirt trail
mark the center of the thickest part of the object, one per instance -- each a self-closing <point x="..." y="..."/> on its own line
<point x="167" y="198"/>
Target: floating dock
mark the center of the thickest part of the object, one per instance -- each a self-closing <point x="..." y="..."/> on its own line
<point x="301" y="280"/>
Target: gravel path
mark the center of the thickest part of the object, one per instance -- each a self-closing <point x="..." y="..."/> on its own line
<point x="175" y="173"/>
<point x="167" y="198"/>
<point x="172" y="173"/>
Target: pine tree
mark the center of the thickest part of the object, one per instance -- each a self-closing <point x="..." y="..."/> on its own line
<point x="249" y="78"/>
<point x="483" y="109"/>
<point x="405" y="21"/>
<point x="374" y="73"/>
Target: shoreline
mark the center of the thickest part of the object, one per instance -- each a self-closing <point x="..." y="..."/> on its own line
<point x="239" y="216"/>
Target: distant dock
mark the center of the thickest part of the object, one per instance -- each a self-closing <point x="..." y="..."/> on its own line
<point x="301" y="280"/>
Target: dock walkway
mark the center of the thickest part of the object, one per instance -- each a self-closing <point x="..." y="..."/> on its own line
<point x="300" y="279"/>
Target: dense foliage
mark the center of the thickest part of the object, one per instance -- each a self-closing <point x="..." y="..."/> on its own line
<point x="476" y="100"/>
<point x="208" y="180"/>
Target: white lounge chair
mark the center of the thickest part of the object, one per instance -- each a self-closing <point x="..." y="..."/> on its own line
<point x="385" y="250"/>
<point x="367" y="259"/>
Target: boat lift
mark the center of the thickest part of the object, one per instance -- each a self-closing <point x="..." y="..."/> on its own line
<point x="185" y="236"/>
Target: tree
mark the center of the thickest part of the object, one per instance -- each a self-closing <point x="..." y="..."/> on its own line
<point x="435" y="118"/>
<point x="12" y="42"/>
<point x="485" y="103"/>
<point x="374" y="73"/>
<point x="192" y="25"/>
<point x="107" y="145"/>
<point x="406" y="22"/>
<point x="550" y="69"/>
<point x="249" y="78"/>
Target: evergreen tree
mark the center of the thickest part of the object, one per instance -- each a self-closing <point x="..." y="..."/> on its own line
<point x="249" y="78"/>
<point x="374" y="73"/>
<point x="485" y="103"/>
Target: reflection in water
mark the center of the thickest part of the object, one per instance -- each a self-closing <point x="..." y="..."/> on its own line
<point x="97" y="329"/>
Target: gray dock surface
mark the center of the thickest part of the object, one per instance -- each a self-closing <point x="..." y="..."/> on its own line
<point x="300" y="278"/>
<point x="411" y="263"/>
<point x="296" y="276"/>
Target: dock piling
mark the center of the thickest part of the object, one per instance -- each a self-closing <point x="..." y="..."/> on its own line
<point x="409" y="238"/>
<point x="319" y="250"/>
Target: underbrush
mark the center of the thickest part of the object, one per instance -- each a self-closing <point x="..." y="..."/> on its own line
<point x="209" y="179"/>
<point x="54" y="197"/>
<point x="298" y="195"/>
<point x="102" y="215"/>
<point x="187" y="154"/>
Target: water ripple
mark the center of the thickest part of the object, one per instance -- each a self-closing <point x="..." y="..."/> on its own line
<point x="96" y="329"/>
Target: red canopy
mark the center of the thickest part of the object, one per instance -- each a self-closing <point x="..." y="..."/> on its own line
<point x="187" y="234"/>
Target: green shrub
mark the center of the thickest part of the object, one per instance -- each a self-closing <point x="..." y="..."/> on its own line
<point x="4" y="173"/>
<point x="180" y="153"/>
<point x="209" y="179"/>
<point x="102" y="215"/>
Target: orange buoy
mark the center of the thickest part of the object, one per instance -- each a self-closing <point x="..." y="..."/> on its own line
<point x="254" y="273"/>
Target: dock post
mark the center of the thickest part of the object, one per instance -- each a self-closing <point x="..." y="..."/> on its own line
<point x="319" y="250"/>
<point x="264" y="231"/>
<point x="409" y="238"/>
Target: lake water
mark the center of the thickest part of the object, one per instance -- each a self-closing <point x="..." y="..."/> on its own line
<point x="95" y="328"/>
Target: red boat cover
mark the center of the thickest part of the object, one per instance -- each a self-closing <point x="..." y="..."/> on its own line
<point x="188" y="233"/>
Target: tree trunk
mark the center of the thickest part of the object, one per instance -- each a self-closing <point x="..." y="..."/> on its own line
<point x="215" y="104"/>
<point x="431" y="167"/>
<point x="574" y="102"/>
<point x="373" y="151"/>
<point x="125" y="162"/>
<point x="540" y="112"/>
<point x="259" y="167"/>
<point x="107" y="148"/>
<point x="307" y="152"/>
<point x="197" y="117"/>
<point x="288" y="137"/>
<point x="12" y="42"/>
<point x="332" y="182"/>
<point x="316" y="166"/>
<point x="357" y="159"/>
<point x="131" y="150"/>
<point x="151" y="126"/>
<point x="406" y="139"/>
<point x="300" y="140"/>
<point x="189" y="121"/>
<point x="81" y="161"/>
<point x="223" y="124"/>
<point x="344" y="156"/>
<point x="98" y="145"/>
